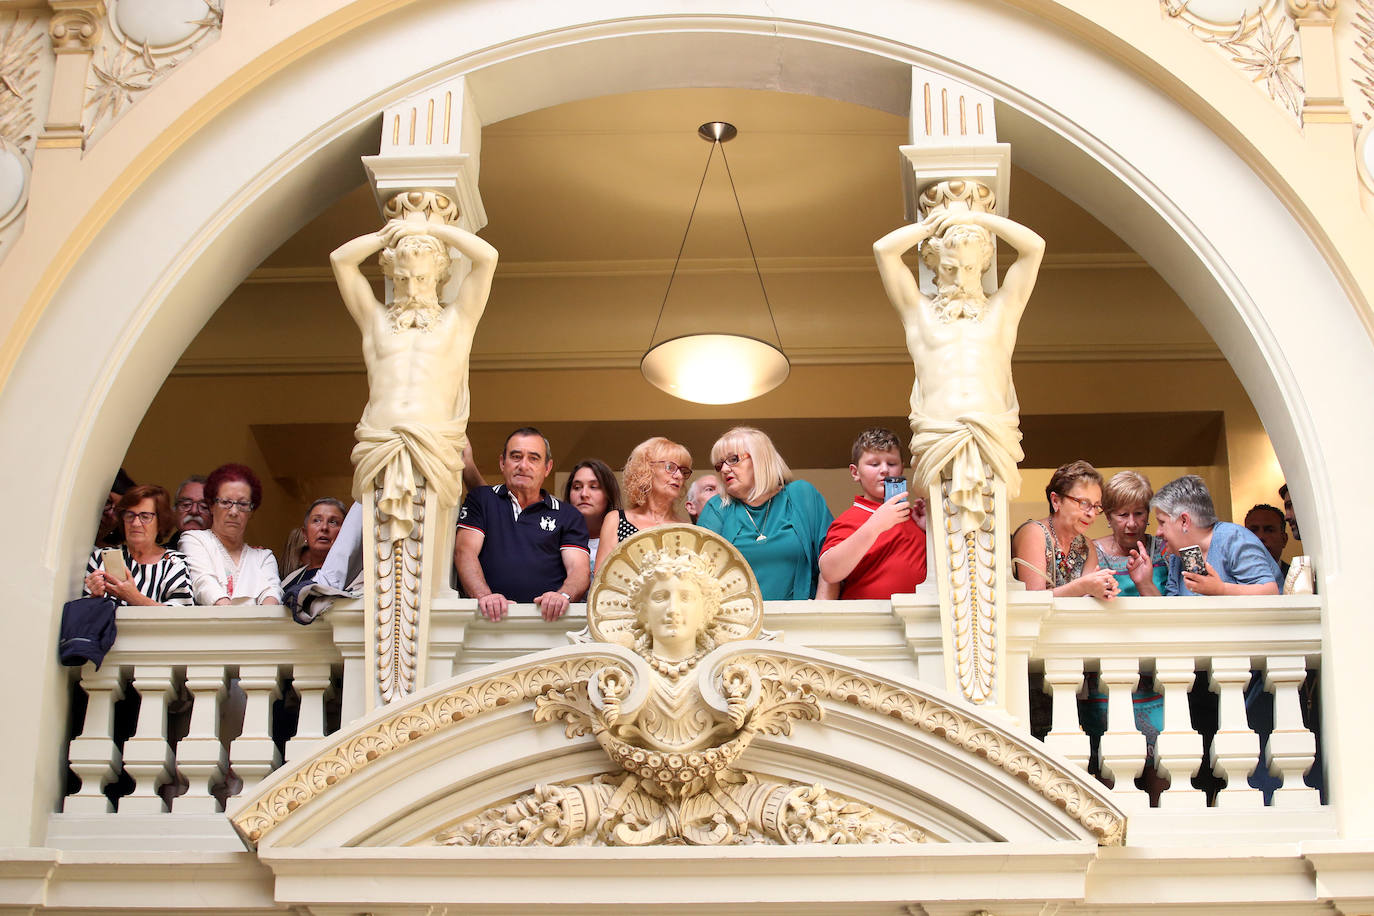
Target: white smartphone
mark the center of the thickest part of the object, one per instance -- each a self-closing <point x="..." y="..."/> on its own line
<point x="112" y="559"/>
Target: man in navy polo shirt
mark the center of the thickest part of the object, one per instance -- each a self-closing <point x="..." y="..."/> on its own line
<point x="518" y="542"/>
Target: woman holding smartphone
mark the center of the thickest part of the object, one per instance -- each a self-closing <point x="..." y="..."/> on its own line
<point x="1054" y="552"/>
<point x="141" y="572"/>
<point x="1209" y="557"/>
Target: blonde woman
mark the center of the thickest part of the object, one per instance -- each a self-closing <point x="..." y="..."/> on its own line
<point x="777" y="522"/>
<point x="656" y="475"/>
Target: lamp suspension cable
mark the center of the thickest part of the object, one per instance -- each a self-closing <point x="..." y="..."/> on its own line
<point x="748" y="240"/>
<point x="686" y="232"/>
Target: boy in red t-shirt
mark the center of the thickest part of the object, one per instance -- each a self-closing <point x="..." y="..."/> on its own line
<point x="876" y="548"/>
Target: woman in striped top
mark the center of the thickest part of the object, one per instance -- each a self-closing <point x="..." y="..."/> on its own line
<point x="155" y="575"/>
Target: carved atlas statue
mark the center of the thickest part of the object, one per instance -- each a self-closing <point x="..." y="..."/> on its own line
<point x="408" y="461"/>
<point x="965" y="417"/>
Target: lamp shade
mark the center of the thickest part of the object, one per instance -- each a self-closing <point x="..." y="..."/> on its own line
<point x="715" y="368"/>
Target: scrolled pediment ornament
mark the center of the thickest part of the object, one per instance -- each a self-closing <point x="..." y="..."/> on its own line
<point x="674" y="595"/>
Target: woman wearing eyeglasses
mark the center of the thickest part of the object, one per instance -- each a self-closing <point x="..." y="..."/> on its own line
<point x="1054" y="552"/>
<point x="225" y="570"/>
<point x="777" y="522"/>
<point x="155" y="575"/>
<point x="656" y="475"/>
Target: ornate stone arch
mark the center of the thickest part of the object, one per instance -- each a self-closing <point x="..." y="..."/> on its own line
<point x="182" y="199"/>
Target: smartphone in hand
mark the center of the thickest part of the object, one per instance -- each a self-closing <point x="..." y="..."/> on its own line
<point x="892" y="486"/>
<point x="1193" y="560"/>
<point x="112" y="559"/>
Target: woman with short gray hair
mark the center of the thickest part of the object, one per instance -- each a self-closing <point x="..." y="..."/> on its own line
<point x="1233" y="559"/>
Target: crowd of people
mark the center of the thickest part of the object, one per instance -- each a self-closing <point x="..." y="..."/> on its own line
<point x="518" y="543"/>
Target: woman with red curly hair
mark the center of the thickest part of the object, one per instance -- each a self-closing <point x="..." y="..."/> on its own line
<point x="225" y="570"/>
<point x="656" y="475"/>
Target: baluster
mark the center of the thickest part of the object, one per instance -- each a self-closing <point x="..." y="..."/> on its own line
<point x="1292" y="749"/>
<point x="92" y="754"/>
<point x="1235" y="749"/>
<point x="1178" y="748"/>
<point x="1064" y="677"/>
<point x="147" y="755"/>
<point x="311" y="682"/>
<point x="200" y="755"/>
<point x="1122" y="746"/>
<point x="253" y="754"/>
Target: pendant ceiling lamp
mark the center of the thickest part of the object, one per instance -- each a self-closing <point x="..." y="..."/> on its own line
<point x="715" y="368"/>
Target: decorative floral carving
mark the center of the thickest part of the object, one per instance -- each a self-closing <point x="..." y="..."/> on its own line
<point x="1261" y="43"/>
<point x="399" y="729"/>
<point x="126" y="67"/>
<point x="1020" y="757"/>
<point x="398" y="603"/>
<point x="1363" y="60"/>
<point x="611" y="810"/>
<point x="973" y="582"/>
<point x="20" y="45"/>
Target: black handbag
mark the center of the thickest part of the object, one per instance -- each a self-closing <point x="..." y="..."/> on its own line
<point x="88" y="631"/>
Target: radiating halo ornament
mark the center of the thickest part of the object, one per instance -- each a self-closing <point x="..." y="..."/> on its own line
<point x="610" y="618"/>
<point x="716" y="368"/>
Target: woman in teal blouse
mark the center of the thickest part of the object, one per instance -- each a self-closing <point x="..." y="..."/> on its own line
<point x="776" y="522"/>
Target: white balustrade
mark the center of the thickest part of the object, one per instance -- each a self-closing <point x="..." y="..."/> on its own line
<point x="228" y="665"/>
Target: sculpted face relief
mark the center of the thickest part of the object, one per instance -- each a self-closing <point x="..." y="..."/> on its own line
<point x="675" y="613"/>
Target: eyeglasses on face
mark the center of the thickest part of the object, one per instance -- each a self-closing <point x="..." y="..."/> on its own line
<point x="183" y="504"/>
<point x="242" y="505"/>
<point x="672" y="467"/>
<point x="730" y="461"/>
<point x="143" y="518"/>
<point x="1090" y="508"/>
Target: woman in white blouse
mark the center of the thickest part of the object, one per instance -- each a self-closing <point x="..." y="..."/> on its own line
<point x="225" y="570"/>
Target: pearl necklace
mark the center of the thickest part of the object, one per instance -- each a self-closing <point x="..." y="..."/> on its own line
<point x="673" y="670"/>
<point x="235" y="569"/>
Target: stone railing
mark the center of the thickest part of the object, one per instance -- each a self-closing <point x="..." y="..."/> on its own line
<point x="208" y="682"/>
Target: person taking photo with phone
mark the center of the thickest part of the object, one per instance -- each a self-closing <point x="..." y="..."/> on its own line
<point x="877" y="547"/>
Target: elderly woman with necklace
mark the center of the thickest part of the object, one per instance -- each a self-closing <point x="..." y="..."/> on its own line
<point x="1054" y="552"/>
<point x="656" y="475"/>
<point x="778" y="523"/>
<point x="225" y="570"/>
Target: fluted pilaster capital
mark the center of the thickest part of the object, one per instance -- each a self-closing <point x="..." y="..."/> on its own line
<point x="76" y="25"/>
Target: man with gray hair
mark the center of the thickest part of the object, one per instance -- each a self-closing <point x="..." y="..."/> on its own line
<point x="1233" y="561"/>
<point x="700" y="493"/>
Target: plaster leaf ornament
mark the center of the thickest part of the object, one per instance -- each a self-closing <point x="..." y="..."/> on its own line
<point x="213" y="18"/>
<point x="120" y="75"/>
<point x="676" y="726"/>
<point x="1259" y="38"/>
<point x="1266" y="55"/>
<point x="21" y="50"/>
<point x="965" y="417"/>
<point x="1363" y="60"/>
<point x="408" y="460"/>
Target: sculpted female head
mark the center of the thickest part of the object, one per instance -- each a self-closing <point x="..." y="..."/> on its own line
<point x="675" y="600"/>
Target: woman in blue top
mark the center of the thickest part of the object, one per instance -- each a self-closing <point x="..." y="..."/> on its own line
<point x="1236" y="562"/>
<point x="776" y="522"/>
<point x="1126" y="503"/>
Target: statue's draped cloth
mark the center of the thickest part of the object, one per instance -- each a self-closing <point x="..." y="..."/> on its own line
<point x="392" y="457"/>
<point x="959" y="448"/>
